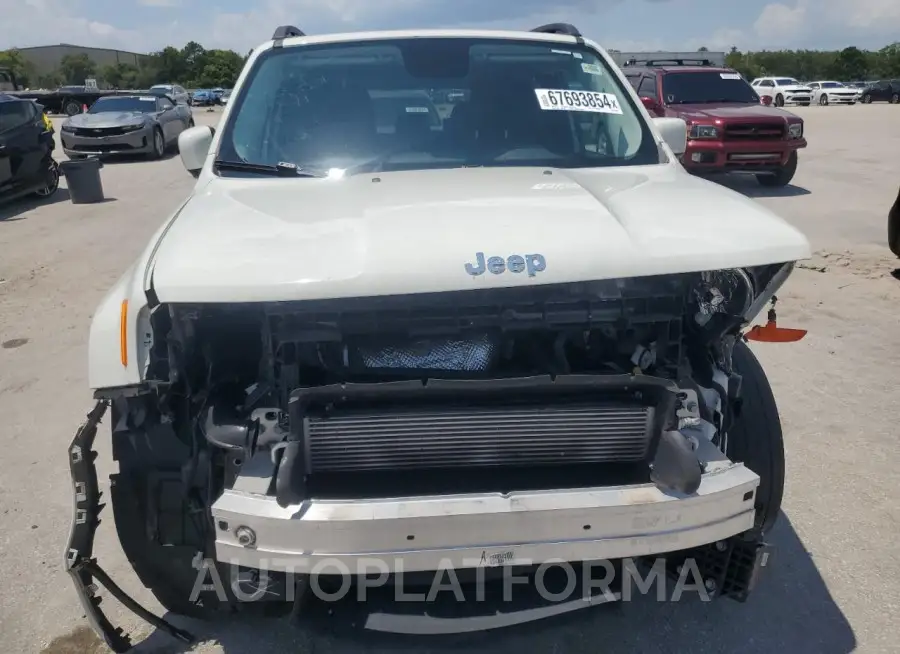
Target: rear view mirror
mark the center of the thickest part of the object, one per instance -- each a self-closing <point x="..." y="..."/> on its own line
<point x="193" y="145"/>
<point x="674" y="133"/>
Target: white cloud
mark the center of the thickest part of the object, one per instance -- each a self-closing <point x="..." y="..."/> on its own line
<point x="783" y="23"/>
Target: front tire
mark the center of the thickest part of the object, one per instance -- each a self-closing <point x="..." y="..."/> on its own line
<point x="866" y="99"/>
<point x="161" y="525"/>
<point x="756" y="438"/>
<point x="784" y="175"/>
<point x="823" y="100"/>
<point x="895" y="99"/>
<point x="159" y="144"/>
<point x="894" y="227"/>
<point x="52" y="181"/>
<point x="779" y="100"/>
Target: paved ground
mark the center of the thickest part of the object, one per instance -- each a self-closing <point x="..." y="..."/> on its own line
<point x="833" y="585"/>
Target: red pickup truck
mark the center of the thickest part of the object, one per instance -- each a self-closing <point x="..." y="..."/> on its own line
<point x="729" y="129"/>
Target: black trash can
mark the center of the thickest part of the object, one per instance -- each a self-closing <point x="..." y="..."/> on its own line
<point x="83" y="179"/>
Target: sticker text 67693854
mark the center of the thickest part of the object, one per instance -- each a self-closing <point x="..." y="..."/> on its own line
<point x="566" y="100"/>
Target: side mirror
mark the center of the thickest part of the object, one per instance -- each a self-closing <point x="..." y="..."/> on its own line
<point x="674" y="133"/>
<point x="193" y="145"/>
<point x="651" y="105"/>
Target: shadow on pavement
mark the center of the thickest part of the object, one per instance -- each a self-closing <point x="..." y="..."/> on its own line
<point x="790" y="610"/>
<point x="752" y="189"/>
<point x="16" y="209"/>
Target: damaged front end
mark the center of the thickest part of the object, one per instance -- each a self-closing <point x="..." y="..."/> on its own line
<point x="579" y="421"/>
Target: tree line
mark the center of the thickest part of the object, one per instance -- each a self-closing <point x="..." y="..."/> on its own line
<point x="847" y="65"/>
<point x="192" y="66"/>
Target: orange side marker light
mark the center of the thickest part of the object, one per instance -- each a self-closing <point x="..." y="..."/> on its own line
<point x="123" y="334"/>
<point x="771" y="332"/>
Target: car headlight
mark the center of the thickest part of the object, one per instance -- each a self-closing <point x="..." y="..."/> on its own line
<point x="704" y="132"/>
<point x="723" y="301"/>
<point x="796" y="130"/>
<point x="67" y="128"/>
<point x="727" y="294"/>
<point x="133" y="128"/>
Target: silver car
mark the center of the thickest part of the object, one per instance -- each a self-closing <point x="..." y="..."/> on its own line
<point x="175" y="92"/>
<point x="128" y="124"/>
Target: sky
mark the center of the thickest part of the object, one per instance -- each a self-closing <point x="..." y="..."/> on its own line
<point x="148" y="25"/>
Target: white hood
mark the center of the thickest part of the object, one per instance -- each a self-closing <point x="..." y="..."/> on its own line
<point x="259" y="239"/>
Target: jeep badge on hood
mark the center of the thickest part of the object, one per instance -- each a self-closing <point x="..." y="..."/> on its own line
<point x="530" y="263"/>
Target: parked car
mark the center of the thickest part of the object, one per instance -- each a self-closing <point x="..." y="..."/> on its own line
<point x="174" y="92"/>
<point x="782" y="90"/>
<point x="730" y="130"/>
<point x="350" y="348"/>
<point x="203" y="98"/>
<point x="27" y="166"/>
<point x="829" y="92"/>
<point x="894" y="226"/>
<point x="226" y="96"/>
<point x="886" y="90"/>
<point x="126" y="124"/>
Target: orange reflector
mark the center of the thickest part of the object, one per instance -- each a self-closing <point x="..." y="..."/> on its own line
<point x="123" y="334"/>
<point x="772" y="333"/>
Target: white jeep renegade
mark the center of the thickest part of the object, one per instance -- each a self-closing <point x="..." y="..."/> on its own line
<point x="439" y="299"/>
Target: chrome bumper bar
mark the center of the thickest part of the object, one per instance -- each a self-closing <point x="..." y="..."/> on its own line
<point x="469" y="531"/>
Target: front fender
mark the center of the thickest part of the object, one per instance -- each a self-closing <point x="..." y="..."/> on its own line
<point x="113" y="358"/>
<point x="120" y="334"/>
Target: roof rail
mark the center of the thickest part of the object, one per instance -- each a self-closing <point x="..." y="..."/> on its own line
<point x="559" y="28"/>
<point x="286" y="31"/>
<point x="668" y="62"/>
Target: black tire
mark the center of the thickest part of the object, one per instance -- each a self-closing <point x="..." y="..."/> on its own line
<point x="159" y="144"/>
<point x="756" y="439"/>
<point x="151" y="517"/>
<point x="895" y="99"/>
<point x="71" y="107"/>
<point x="866" y="99"/>
<point x="52" y="181"/>
<point x="894" y="227"/>
<point x="823" y="100"/>
<point x="784" y="175"/>
<point x="779" y="100"/>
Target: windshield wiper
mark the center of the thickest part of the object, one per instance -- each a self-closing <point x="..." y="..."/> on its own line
<point x="280" y="170"/>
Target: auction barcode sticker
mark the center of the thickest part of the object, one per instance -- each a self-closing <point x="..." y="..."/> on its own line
<point x="564" y="100"/>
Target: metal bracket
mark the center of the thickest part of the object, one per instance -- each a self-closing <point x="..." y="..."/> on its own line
<point x="79" y="561"/>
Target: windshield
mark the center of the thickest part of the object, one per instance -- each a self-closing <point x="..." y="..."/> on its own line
<point x="832" y="85"/>
<point x="787" y="81"/>
<point x="14" y="114"/>
<point x="411" y="104"/>
<point x="142" y="105"/>
<point x="707" y="87"/>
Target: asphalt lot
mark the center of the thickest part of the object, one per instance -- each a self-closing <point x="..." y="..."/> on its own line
<point x="832" y="584"/>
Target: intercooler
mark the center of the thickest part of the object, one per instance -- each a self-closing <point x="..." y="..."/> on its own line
<point x="453" y="424"/>
<point x="482" y="437"/>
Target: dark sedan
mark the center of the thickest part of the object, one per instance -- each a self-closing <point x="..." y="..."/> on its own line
<point x="126" y="124"/>
<point x="886" y="90"/>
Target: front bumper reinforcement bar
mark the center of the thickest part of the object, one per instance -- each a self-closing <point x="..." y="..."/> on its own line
<point x="79" y="561"/>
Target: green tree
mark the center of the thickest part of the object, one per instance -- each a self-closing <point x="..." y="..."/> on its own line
<point x="76" y="68"/>
<point x="120" y="75"/>
<point x="850" y="63"/>
<point x="14" y="61"/>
